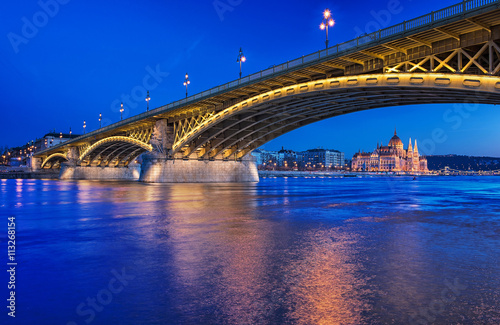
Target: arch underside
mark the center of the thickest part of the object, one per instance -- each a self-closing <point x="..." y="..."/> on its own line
<point x="113" y="152"/>
<point x="54" y="161"/>
<point x="236" y="135"/>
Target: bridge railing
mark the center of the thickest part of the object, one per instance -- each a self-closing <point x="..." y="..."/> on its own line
<point x="334" y="51"/>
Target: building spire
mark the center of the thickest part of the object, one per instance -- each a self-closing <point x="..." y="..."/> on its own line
<point x="395" y="133"/>
<point x="416" y="148"/>
<point x="410" y="147"/>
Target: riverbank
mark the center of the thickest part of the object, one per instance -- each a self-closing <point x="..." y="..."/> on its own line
<point x="276" y="173"/>
<point x="22" y="174"/>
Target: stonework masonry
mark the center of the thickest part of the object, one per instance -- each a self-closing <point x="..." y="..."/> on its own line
<point x="162" y="170"/>
<point x="131" y="173"/>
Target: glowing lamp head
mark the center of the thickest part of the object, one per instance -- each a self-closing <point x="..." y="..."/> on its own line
<point x="327" y="13"/>
<point x="331" y="22"/>
<point x="243" y="59"/>
<point x="322" y="26"/>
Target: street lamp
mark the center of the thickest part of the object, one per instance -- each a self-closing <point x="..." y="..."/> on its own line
<point x="186" y="83"/>
<point x="327" y="22"/>
<point x="100" y="119"/>
<point x="84" y="126"/>
<point x="147" y="101"/>
<point x="241" y="58"/>
<point x="70" y="132"/>
<point x="121" y="111"/>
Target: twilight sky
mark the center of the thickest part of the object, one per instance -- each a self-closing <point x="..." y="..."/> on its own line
<point x="84" y="57"/>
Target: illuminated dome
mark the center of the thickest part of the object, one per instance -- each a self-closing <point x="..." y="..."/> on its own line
<point x="396" y="141"/>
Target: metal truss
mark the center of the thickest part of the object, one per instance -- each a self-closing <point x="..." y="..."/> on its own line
<point x="184" y="128"/>
<point x="480" y="60"/>
<point x="237" y="130"/>
<point x="53" y="160"/>
<point x="113" y="151"/>
<point x="82" y="148"/>
<point x="141" y="134"/>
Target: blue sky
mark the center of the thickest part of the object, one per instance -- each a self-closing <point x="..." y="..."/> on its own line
<point x="87" y="56"/>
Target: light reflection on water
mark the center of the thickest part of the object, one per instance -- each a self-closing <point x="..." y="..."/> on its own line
<point x="297" y="251"/>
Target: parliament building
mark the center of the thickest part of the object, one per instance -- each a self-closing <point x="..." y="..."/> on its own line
<point x="391" y="158"/>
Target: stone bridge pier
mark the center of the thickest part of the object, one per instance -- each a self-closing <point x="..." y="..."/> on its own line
<point x="71" y="170"/>
<point x="161" y="166"/>
<point x="149" y="158"/>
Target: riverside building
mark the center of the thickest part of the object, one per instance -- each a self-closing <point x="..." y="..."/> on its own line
<point x="391" y="158"/>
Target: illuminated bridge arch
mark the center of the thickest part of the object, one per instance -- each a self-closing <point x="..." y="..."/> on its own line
<point x="237" y="130"/>
<point x="54" y="160"/>
<point x="113" y="151"/>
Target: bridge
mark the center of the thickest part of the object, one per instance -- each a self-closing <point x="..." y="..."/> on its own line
<point x="448" y="56"/>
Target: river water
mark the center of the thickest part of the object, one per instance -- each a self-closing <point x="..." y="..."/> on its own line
<point x="283" y="251"/>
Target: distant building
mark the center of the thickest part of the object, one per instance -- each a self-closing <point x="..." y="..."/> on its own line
<point x="19" y="155"/>
<point x="52" y="139"/>
<point x="391" y="158"/>
<point x="265" y="157"/>
<point x="287" y="158"/>
<point x="321" y="158"/>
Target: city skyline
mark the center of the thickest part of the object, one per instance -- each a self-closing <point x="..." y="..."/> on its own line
<point x="53" y="81"/>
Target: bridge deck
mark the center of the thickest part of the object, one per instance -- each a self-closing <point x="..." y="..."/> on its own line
<point x="466" y="22"/>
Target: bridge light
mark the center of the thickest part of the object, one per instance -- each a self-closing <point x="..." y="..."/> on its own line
<point x="100" y="119"/>
<point x="186" y="83"/>
<point x="147" y="101"/>
<point x="241" y="58"/>
<point x="327" y="22"/>
<point x="121" y="111"/>
<point x="84" y="126"/>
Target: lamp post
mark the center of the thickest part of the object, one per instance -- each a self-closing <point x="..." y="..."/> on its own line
<point x="84" y="126"/>
<point x="186" y="83"/>
<point x="100" y="119"/>
<point x="147" y="101"/>
<point x="70" y="132"/>
<point x="327" y="22"/>
<point x="241" y="58"/>
<point x="121" y="111"/>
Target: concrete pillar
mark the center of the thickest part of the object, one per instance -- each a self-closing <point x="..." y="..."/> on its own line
<point x="163" y="170"/>
<point x="72" y="155"/>
<point x="162" y="139"/>
<point x="34" y="163"/>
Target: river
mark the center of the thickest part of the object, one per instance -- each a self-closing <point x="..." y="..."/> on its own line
<point x="381" y="250"/>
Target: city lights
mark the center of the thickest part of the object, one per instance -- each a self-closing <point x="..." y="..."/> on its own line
<point x="186" y="83"/>
<point x="241" y="58"/>
<point x="327" y="22"/>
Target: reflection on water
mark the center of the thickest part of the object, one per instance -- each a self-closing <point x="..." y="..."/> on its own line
<point x="326" y="286"/>
<point x="295" y="251"/>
